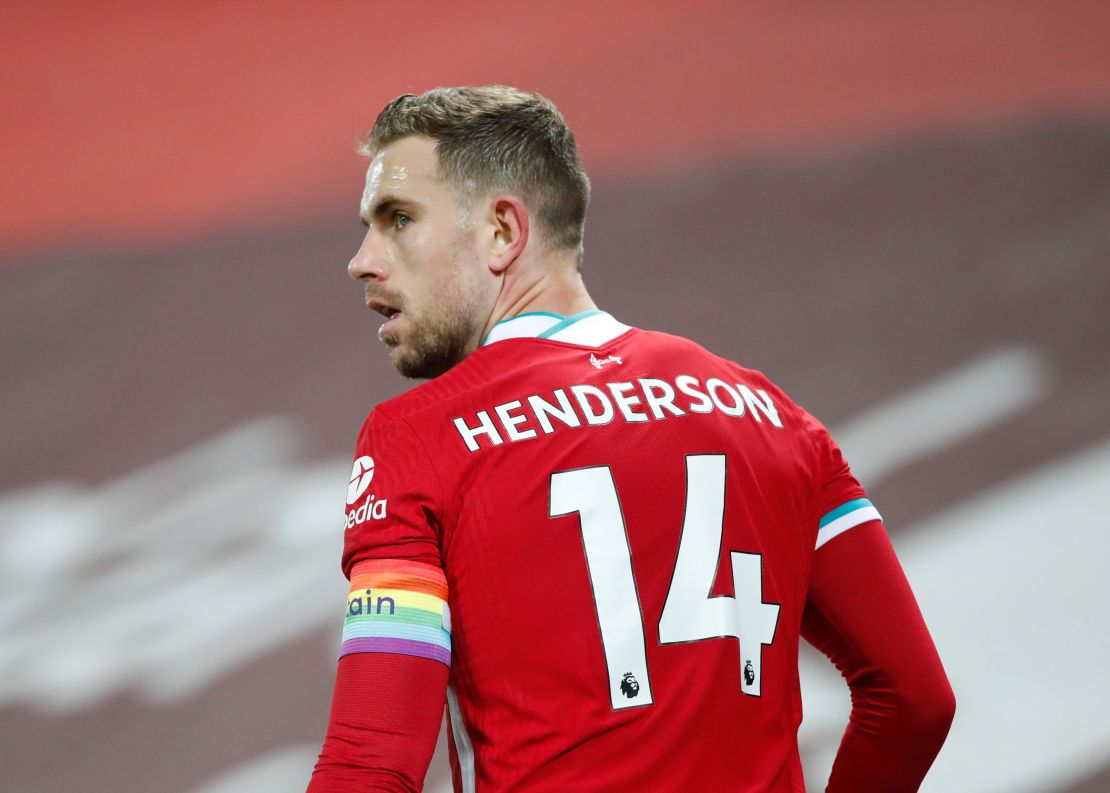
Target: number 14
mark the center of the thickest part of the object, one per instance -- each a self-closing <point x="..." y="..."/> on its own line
<point x="689" y="613"/>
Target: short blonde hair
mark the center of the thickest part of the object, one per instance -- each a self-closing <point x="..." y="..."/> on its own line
<point x="496" y="138"/>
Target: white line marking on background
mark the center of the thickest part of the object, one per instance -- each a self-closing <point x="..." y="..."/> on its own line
<point x="942" y="412"/>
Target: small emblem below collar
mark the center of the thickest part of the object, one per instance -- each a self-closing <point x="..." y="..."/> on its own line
<point x="600" y="362"/>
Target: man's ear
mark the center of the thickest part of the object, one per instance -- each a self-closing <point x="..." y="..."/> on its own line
<point x="510" y="223"/>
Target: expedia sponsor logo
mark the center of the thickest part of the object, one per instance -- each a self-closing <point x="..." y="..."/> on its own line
<point x="373" y="508"/>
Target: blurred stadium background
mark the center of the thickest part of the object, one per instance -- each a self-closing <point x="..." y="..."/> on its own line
<point x="900" y="211"/>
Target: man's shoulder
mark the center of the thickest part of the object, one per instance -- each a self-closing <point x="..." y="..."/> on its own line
<point x="696" y="354"/>
<point x="662" y="342"/>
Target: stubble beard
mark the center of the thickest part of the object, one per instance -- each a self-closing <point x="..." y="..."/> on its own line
<point x="441" y="338"/>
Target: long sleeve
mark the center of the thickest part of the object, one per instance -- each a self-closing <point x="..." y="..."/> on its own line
<point x="861" y="613"/>
<point x="385" y="717"/>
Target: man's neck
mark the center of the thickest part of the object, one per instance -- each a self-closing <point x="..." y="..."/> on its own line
<point x="556" y="292"/>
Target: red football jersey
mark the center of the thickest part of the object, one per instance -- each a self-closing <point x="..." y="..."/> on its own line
<point x="622" y="526"/>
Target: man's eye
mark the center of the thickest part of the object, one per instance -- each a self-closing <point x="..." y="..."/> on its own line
<point x="401" y="219"/>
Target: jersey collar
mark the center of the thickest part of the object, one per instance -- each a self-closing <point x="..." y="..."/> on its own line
<point x="589" y="328"/>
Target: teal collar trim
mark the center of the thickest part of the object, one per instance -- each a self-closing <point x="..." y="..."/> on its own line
<point x="547" y="325"/>
<point x="567" y="322"/>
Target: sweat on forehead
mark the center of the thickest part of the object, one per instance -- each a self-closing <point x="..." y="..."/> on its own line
<point x="404" y="171"/>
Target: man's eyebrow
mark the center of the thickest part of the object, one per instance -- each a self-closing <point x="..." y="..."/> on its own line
<point x="383" y="207"/>
<point x="386" y="203"/>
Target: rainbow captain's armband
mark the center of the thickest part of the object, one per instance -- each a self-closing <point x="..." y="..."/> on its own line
<point x="398" y="606"/>
<point x="846" y="516"/>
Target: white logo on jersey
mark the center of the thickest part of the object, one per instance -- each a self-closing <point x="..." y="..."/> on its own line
<point x="600" y="362"/>
<point x="361" y="474"/>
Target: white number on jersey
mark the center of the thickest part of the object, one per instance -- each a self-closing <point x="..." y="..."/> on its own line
<point x="689" y="613"/>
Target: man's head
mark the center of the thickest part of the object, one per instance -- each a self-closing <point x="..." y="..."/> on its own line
<point x="461" y="181"/>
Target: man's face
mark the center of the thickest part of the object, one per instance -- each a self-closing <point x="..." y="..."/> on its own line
<point x="421" y="262"/>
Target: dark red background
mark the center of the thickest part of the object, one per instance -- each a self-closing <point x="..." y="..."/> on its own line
<point x="854" y="198"/>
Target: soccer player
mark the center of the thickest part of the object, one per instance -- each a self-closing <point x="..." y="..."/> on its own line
<point x="598" y="544"/>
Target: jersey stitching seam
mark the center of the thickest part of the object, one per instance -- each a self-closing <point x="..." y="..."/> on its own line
<point x="431" y="464"/>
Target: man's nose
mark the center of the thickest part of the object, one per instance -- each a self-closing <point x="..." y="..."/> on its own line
<point x="368" y="263"/>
